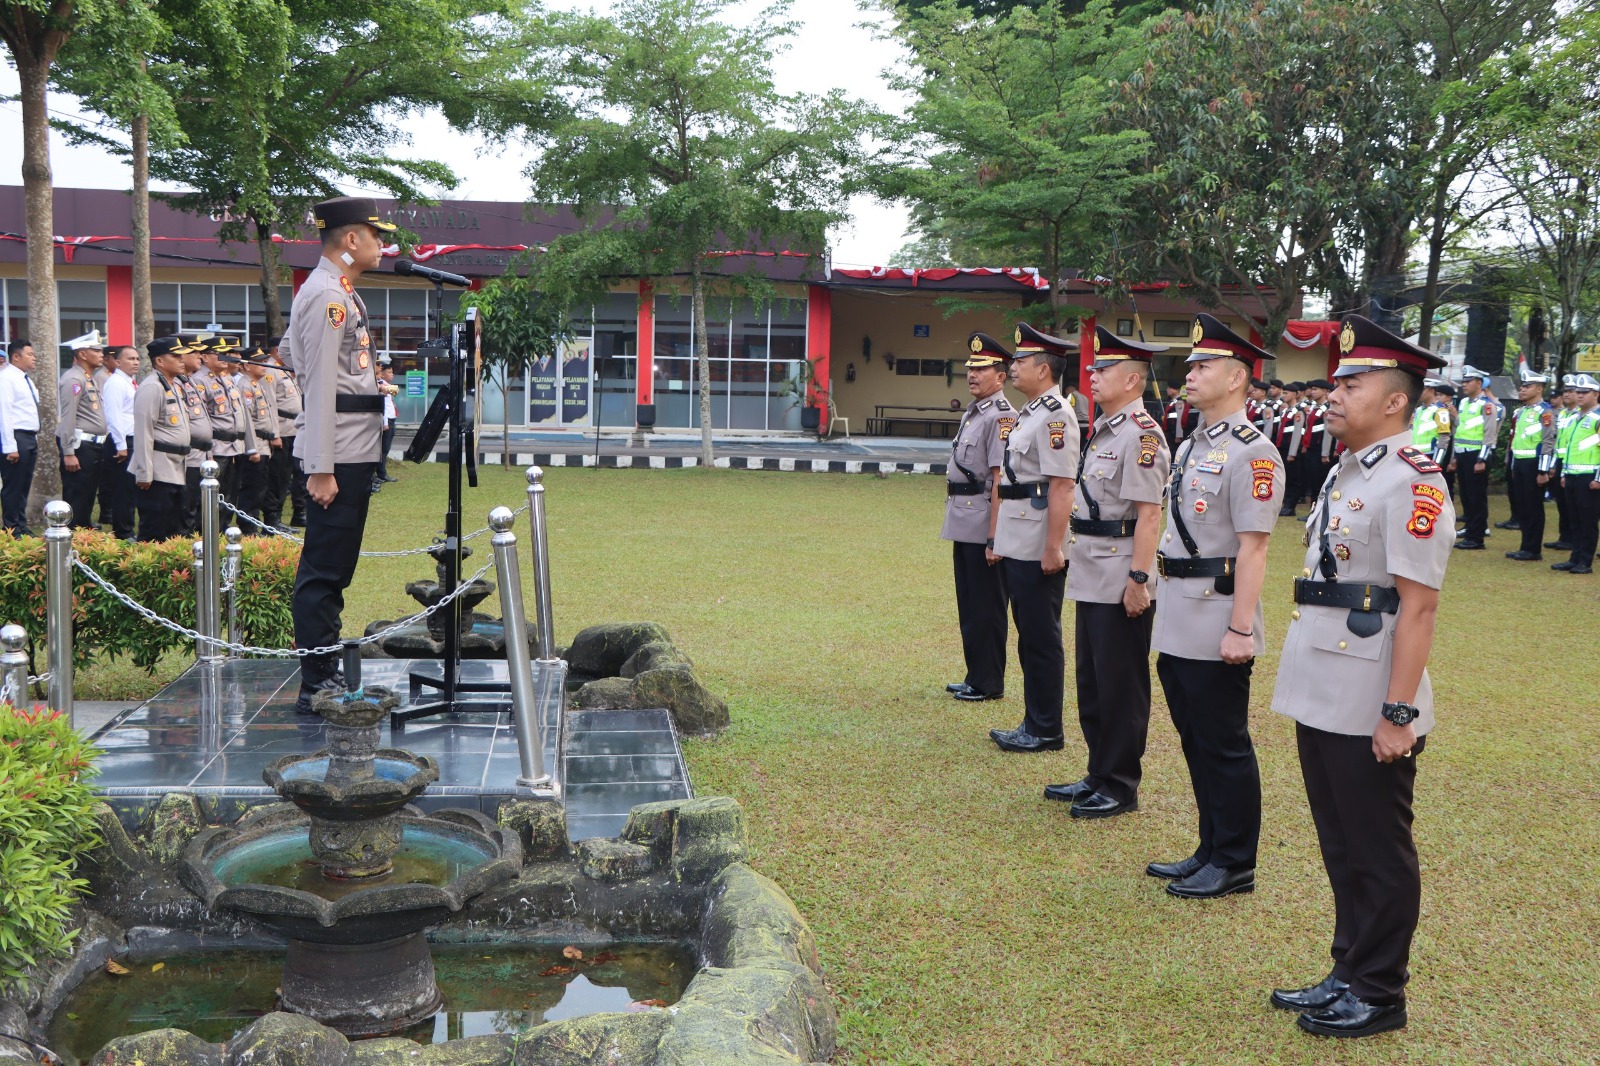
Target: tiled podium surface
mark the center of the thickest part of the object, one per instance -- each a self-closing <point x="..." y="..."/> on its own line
<point x="213" y="731"/>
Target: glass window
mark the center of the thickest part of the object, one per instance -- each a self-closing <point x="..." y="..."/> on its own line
<point x="16" y="293"/>
<point x="228" y="302"/>
<point x="1172" y="327"/>
<point x="194" y="307"/>
<point x="164" y="301"/>
<point x="82" y="307"/>
<point x="408" y="319"/>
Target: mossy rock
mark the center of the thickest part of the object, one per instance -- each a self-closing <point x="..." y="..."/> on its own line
<point x="542" y="825"/>
<point x="176" y="820"/>
<point x="614" y="861"/>
<point x="159" y="1047"/>
<point x="606" y="694"/>
<point x="495" y="1050"/>
<point x="384" y="1051"/>
<point x="600" y="651"/>
<point x="695" y="711"/>
<point x="750" y="1016"/>
<point x="612" y="1039"/>
<point x="752" y="922"/>
<point x="653" y="656"/>
<point x="280" y="1039"/>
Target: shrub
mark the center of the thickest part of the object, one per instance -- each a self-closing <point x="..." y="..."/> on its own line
<point x="46" y="823"/>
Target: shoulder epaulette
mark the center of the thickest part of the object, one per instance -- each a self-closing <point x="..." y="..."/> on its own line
<point x="1000" y="404"/>
<point x="1051" y="403"/>
<point x="1420" y="460"/>
<point x="1142" y="419"/>
<point x="1248" y="434"/>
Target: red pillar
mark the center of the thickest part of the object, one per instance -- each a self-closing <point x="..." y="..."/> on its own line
<point x="119" y="305"/>
<point x="645" y="386"/>
<point x="819" y="344"/>
<point x="300" y="277"/>
<point x="1086" y="327"/>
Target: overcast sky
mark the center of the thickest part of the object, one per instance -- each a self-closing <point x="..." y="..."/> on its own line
<point x="832" y="51"/>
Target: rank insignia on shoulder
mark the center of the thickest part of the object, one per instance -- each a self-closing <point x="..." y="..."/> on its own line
<point x="1375" y="456"/>
<point x="1213" y="432"/>
<point x="1000" y="404"/>
<point x="1143" y="420"/>
<point x="1248" y="434"/>
<point x="336" y="315"/>
<point x="1149" y="444"/>
<point x="344" y="283"/>
<point x="984" y="406"/>
<point x="1050" y="403"/>
<point x="1419" y="460"/>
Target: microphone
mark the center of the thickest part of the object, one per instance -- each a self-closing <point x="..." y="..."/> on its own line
<point x="438" y="277"/>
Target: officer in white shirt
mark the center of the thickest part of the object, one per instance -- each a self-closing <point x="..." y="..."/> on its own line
<point x="19" y="436"/>
<point x="117" y="394"/>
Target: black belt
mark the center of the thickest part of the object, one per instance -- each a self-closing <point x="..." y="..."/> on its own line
<point x="26" y="433"/>
<point x="169" y="447"/>
<point x="289" y="414"/>
<point x="952" y="488"/>
<point x="1169" y="566"/>
<point x="1090" y="527"/>
<point x="1026" y="491"/>
<point x="225" y="437"/>
<point x="1382" y="598"/>
<point x="346" y="403"/>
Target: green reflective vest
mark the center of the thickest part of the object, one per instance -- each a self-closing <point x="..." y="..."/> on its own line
<point x="1424" y="427"/>
<point x="1528" y="433"/>
<point x="1469" y="432"/>
<point x="1582" y="453"/>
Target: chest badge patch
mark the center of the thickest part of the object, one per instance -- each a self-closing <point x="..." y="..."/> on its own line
<point x="1261" y="471"/>
<point x="336" y="315"/>
<point x="1355" y="505"/>
<point x="361" y="359"/>
<point x="1217" y="455"/>
<point x="1200" y="507"/>
<point x="1149" y="444"/>
<point x="1342" y="551"/>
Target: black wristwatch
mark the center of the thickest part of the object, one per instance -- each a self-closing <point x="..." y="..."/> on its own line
<point x="989" y="543"/>
<point x="1139" y="576"/>
<point x="1401" y="713"/>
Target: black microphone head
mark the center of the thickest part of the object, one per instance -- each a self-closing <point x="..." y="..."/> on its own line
<point x="402" y="266"/>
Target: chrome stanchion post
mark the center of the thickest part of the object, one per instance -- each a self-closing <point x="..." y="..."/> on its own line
<point x="211" y="537"/>
<point x="14" y="664"/>
<point x="232" y="567"/>
<point x="58" y="604"/>
<point x="525" y="709"/>
<point x="540" y="536"/>
<point x="205" y="606"/>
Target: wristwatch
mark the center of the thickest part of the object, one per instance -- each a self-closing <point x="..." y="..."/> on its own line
<point x="1401" y="713"/>
<point x="1139" y="576"/>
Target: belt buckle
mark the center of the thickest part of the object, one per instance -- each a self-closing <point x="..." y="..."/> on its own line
<point x="1366" y="598"/>
<point x="1161" y="565"/>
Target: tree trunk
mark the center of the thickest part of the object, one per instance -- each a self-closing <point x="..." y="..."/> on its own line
<point x="144" y="315"/>
<point x="702" y="345"/>
<point x="43" y="316"/>
<point x="1430" y="288"/>
<point x="271" y="269"/>
<point x="505" y="416"/>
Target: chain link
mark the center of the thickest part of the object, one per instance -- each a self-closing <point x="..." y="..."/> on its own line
<point x="276" y="532"/>
<point x="8" y="688"/>
<point x="269" y="653"/>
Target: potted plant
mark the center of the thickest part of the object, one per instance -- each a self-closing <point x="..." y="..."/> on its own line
<point x="797" y="386"/>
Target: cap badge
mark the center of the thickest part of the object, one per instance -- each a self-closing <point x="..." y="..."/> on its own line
<point x="1347" y="339"/>
<point x="1197" y="334"/>
<point x="1097" y="344"/>
<point x="977" y="345"/>
<point x="1019" y="335"/>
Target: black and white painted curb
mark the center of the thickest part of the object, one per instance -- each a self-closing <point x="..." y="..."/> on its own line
<point x="724" y="462"/>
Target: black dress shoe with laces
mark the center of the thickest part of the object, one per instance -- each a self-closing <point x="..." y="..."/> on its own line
<point x="1214" y="882"/>
<point x="956" y="686"/>
<point x="972" y="695"/>
<point x="1100" y="805"/>
<point x="1568" y="565"/>
<point x="1524" y="557"/>
<point x="1348" y="1016"/>
<point x="1175" y="871"/>
<point x="1023" y="741"/>
<point x="1558" y="545"/>
<point x="1068" y="793"/>
<point x="1580" y="570"/>
<point x="1469" y="545"/>
<point x="1317" y="997"/>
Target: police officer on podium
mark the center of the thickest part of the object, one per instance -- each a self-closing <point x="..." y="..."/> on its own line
<point x="338" y="433"/>
<point x="1040" y="466"/>
<point x="1353" y="675"/>
<point x="970" y="511"/>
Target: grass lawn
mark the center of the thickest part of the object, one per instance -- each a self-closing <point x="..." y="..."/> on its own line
<point x="961" y="918"/>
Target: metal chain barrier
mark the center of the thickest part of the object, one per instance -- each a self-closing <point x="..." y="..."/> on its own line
<point x="8" y="690"/>
<point x="270" y="653"/>
<point x="276" y="532"/>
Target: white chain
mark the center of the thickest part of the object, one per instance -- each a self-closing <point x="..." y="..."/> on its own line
<point x="276" y="532"/>
<point x="271" y="653"/>
<point x="8" y="688"/>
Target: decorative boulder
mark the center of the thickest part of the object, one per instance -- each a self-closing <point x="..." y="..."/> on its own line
<point x="695" y="711"/>
<point x="600" y="651"/>
<point x="653" y="656"/>
<point x="280" y="1039"/>
<point x="606" y="694"/>
<point x="159" y="1047"/>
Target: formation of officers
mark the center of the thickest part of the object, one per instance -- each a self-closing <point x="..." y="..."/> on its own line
<point x="1038" y="514"/>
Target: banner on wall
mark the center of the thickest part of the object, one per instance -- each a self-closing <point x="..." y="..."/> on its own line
<point x="575" y="364"/>
<point x="543" y="391"/>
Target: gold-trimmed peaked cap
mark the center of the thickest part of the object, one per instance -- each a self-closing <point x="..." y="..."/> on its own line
<point x="167" y="346"/>
<point x="986" y="351"/>
<point x="1032" y="342"/>
<point x="1110" y="349"/>
<point x="350" y="211"/>
<point x="1213" y="340"/>
<point x="1364" y="345"/>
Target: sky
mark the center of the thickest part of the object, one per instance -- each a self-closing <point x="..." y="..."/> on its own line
<point x="833" y="50"/>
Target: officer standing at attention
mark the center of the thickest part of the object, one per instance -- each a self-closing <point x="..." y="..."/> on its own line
<point x="1222" y="497"/>
<point x="284" y="481"/>
<point x="1111" y="549"/>
<point x="340" y="426"/>
<point x="1476" y="433"/>
<point x="1566" y="414"/>
<point x="970" y="511"/>
<point x="1580" y="476"/>
<point x="1430" y="424"/>
<point x="1040" y="463"/>
<point x="160" y="443"/>
<point x="199" y="427"/>
<point x="1378" y="542"/>
<point x="262" y="409"/>
<point x="233" y="435"/>
<point x="1533" y="458"/>
<point x="1291" y="445"/>
<point x="81" y="432"/>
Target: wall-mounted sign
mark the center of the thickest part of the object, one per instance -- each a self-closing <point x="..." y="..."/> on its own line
<point x="922" y="331"/>
<point x="416" y="383"/>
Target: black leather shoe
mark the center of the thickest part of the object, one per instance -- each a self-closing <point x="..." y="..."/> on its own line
<point x="1213" y="882"/>
<point x="1317" y="997"/>
<point x="1286" y="512"/>
<point x="1580" y="570"/>
<point x="1349" y="1016"/>
<point x="1174" y="871"/>
<point x="297" y="521"/>
<point x="1023" y="741"/>
<point x="972" y="695"/>
<point x="1524" y="557"/>
<point x="1558" y="545"/>
<point x="1100" y="805"/>
<point x="1568" y="565"/>
<point x="957" y="686"/>
<point x="1068" y="793"/>
<point x="1508" y="525"/>
<point x="1469" y="545"/>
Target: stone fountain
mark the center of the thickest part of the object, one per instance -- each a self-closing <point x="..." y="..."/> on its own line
<point x="351" y="874"/>
<point x="481" y="636"/>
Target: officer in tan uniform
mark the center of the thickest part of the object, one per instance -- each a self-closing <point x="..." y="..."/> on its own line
<point x="1226" y="484"/>
<point x="81" y="433"/>
<point x="233" y="436"/>
<point x="1353" y="675"/>
<point x="261" y="406"/>
<point x="284" y="481"/>
<point x="160" y="443"/>
<point x="1040" y="464"/>
<point x="340" y="428"/>
<point x="199" y="427"/>
<point x="1116" y="515"/>
<point x="970" y="511"/>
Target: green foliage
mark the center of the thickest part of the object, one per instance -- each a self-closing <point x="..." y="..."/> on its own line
<point x="159" y="576"/>
<point x="520" y="324"/>
<point x="46" y="824"/>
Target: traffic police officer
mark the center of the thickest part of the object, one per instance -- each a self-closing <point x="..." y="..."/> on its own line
<point x="199" y="427"/>
<point x="1430" y="424"/>
<point x="1566" y="415"/>
<point x="1580" y="462"/>
<point x="1533" y="458"/>
<point x="339" y="431"/>
<point x="1475" y="437"/>
<point x="1378" y="541"/>
<point x="81" y="433"/>
<point x="160" y="443"/>
<point x="1223" y="498"/>
<point x="1111" y="549"/>
<point x="970" y="512"/>
<point x="1040" y="464"/>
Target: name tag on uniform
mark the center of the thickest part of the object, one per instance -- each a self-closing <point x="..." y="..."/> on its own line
<point x="1209" y="468"/>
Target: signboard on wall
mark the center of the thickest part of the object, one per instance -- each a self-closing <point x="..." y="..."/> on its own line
<point x="416" y="383"/>
<point x="921" y="331"/>
<point x="543" y="378"/>
<point x="1587" y="359"/>
<point x="575" y="382"/>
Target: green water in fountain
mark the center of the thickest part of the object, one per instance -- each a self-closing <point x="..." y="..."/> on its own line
<point x="284" y="860"/>
<point x="487" y="989"/>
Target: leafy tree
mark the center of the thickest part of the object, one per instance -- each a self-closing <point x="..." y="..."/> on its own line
<point x="520" y="326"/>
<point x="1004" y="153"/>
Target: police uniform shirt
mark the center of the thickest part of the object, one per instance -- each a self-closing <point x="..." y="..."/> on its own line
<point x="330" y="351"/>
<point x="199" y="422"/>
<point x="1230" y="480"/>
<point x="159" y="414"/>
<point x="1044" y="443"/>
<point x="258" y="404"/>
<point x="225" y="409"/>
<point x="1389" y="516"/>
<point x="978" y="448"/>
<point x="80" y="410"/>
<point x="285" y="395"/>
<point x="1125" y="464"/>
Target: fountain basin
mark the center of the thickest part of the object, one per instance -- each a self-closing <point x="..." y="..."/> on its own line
<point x="315" y="784"/>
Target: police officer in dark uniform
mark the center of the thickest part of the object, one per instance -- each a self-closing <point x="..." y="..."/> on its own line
<point x="970" y="511"/>
<point x="340" y="428"/>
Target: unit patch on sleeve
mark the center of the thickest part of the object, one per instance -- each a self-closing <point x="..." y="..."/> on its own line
<point x="1149" y="444"/>
<point x="336" y="315"/>
<point x="1058" y="434"/>
<point x="1424" y="513"/>
<point x="1006" y="425"/>
<point x="1261" y="471"/>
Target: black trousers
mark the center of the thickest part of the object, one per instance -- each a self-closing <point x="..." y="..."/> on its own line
<point x="1527" y="503"/>
<point x="1513" y="499"/>
<point x="252" y="488"/>
<point x="16" y="479"/>
<point x="1210" y="705"/>
<point x="1313" y="472"/>
<point x="327" y="564"/>
<point x="1362" y="810"/>
<point x="80" y="487"/>
<point x="388" y="442"/>
<point x="283" y="481"/>
<point x="1294" y="481"/>
<point x="108" y="489"/>
<point x="121" y="489"/>
<point x="981" y="610"/>
<point x="1036" y="609"/>
<point x="1474" y="495"/>
<point x="1113" y="666"/>
<point x="191" y="500"/>
<point x="1563" y="510"/>
<point x="228" y="476"/>
<point x="160" y="511"/>
<point x="1583" y="504"/>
